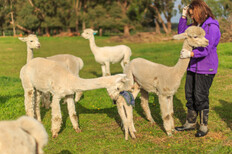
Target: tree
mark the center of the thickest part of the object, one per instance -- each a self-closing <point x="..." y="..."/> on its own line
<point x="168" y="12"/>
<point x="156" y="5"/>
<point x="4" y="11"/>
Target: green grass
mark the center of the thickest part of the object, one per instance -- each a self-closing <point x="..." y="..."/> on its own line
<point x="98" y="117"/>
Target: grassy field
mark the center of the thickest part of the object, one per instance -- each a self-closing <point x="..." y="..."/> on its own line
<point x="98" y="117"/>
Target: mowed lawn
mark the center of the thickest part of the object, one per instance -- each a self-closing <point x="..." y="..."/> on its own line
<point x="98" y="117"/>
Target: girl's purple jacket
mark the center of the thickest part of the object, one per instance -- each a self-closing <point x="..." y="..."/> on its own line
<point x="205" y="60"/>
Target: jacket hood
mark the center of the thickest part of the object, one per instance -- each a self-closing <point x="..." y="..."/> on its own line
<point x="210" y="21"/>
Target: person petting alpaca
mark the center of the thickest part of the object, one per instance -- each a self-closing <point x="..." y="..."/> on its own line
<point x="202" y="66"/>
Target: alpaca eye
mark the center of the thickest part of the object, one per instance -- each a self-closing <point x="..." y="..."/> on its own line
<point x="31" y="41"/>
<point x="195" y="36"/>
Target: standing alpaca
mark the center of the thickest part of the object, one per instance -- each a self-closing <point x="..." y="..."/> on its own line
<point x="24" y="135"/>
<point x="108" y="54"/>
<point x="72" y="63"/>
<point x="164" y="80"/>
<point x="42" y="75"/>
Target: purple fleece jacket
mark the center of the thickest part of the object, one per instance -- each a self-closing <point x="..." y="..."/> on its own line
<point x="205" y="60"/>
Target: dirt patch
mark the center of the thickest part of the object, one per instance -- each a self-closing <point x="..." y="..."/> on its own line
<point x="67" y="34"/>
<point x="146" y="37"/>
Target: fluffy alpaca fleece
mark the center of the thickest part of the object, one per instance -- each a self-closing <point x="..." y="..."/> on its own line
<point x="164" y="80"/>
<point x="72" y="63"/>
<point x="23" y="136"/>
<point x="125" y="112"/>
<point x="42" y="75"/>
<point x="108" y="54"/>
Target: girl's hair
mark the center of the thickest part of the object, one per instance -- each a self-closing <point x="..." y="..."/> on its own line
<point x="201" y="11"/>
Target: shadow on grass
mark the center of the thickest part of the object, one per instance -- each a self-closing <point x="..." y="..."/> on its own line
<point x="80" y="109"/>
<point x="179" y="111"/>
<point x="96" y="74"/>
<point x="65" y="152"/>
<point x="224" y="112"/>
<point x="100" y="74"/>
<point x="4" y="99"/>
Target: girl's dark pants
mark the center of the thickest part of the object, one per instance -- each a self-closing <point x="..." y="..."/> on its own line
<point x="197" y="90"/>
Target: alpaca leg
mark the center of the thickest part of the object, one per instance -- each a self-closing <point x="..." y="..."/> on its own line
<point x="144" y="103"/>
<point x="56" y="116"/>
<point x="129" y="113"/>
<point x="123" y="65"/>
<point x="72" y="113"/>
<point x="29" y="102"/>
<point x="107" y="68"/>
<point x="37" y="105"/>
<point x="171" y="112"/>
<point x="136" y="90"/>
<point x="165" y="108"/>
<point x="78" y="96"/>
<point x="103" y="67"/>
<point x="125" y="115"/>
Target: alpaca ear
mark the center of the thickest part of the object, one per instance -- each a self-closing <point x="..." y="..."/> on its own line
<point x="23" y="39"/>
<point x="180" y="36"/>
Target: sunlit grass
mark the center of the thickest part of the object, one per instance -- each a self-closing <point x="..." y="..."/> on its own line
<point x="98" y="117"/>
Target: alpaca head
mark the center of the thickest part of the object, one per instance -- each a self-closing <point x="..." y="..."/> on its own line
<point x="120" y="84"/>
<point x="88" y="33"/>
<point x="32" y="41"/>
<point x="195" y="37"/>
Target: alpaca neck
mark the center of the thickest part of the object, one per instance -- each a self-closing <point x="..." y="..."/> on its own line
<point x="29" y="54"/>
<point x="182" y="64"/>
<point x="90" y="84"/>
<point x="93" y="45"/>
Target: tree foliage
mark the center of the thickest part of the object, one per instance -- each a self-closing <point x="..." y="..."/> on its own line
<point x="43" y="16"/>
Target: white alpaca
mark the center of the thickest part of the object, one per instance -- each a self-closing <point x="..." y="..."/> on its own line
<point x="72" y="63"/>
<point x="24" y="135"/>
<point x="164" y="80"/>
<point x="108" y="54"/>
<point x="42" y="75"/>
<point x="126" y="112"/>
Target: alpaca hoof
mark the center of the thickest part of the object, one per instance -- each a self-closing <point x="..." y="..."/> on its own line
<point x="169" y="134"/>
<point x="133" y="137"/>
<point x="55" y="135"/>
<point x="78" y="130"/>
<point x="152" y="122"/>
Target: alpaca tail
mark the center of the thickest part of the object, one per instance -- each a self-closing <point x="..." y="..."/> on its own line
<point x="35" y="129"/>
<point x="81" y="63"/>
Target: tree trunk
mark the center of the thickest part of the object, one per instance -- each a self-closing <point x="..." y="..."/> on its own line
<point x="157" y="27"/>
<point x="169" y="25"/>
<point x="158" y="16"/>
<point x="22" y="28"/>
<point x="47" y="32"/>
<point x="83" y="25"/>
<point x="39" y="31"/>
<point x="13" y="23"/>
<point x="126" y="30"/>
<point x="77" y="26"/>
<point x="69" y="30"/>
<point x="100" y="32"/>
